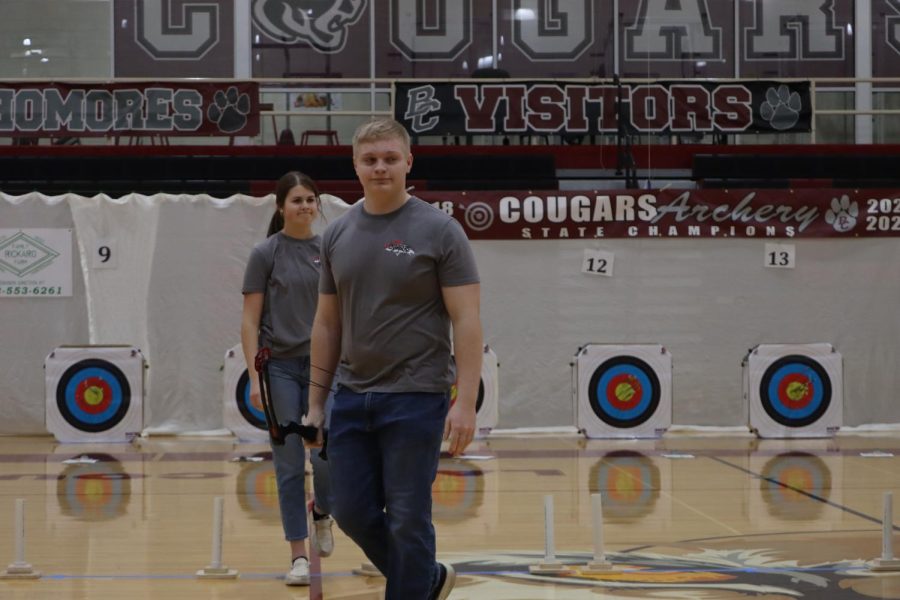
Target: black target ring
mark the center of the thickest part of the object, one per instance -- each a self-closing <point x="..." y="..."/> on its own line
<point x="787" y="374"/>
<point x="93" y="395"/>
<point x="250" y="413"/>
<point x="637" y="378"/>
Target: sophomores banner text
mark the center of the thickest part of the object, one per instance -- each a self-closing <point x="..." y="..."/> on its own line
<point x="134" y="108"/>
<point x="498" y="215"/>
<point x="537" y="107"/>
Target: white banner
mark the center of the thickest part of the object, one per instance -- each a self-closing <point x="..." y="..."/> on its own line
<point x="35" y="263"/>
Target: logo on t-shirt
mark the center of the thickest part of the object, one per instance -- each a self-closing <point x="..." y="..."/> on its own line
<point x="398" y="247"/>
<point x="316" y="260"/>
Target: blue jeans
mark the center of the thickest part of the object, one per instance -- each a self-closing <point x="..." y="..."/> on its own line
<point x="289" y="394"/>
<point x="384" y="450"/>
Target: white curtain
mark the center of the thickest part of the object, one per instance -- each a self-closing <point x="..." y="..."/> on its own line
<point x="175" y="293"/>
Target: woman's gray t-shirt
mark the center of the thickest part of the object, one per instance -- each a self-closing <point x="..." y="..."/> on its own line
<point x="286" y="270"/>
<point x="388" y="271"/>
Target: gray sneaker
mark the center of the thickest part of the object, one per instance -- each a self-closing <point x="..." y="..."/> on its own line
<point x="446" y="581"/>
<point x="299" y="573"/>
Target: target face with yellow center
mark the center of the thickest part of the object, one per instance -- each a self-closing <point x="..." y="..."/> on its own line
<point x="795" y="391"/>
<point x="254" y="416"/>
<point x="624" y="391"/>
<point x="93" y="395"/>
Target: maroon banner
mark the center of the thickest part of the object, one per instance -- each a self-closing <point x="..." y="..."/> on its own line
<point x="673" y="214"/>
<point x="133" y="108"/>
<point x="542" y="107"/>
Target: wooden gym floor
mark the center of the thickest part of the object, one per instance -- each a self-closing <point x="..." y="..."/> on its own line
<point x="684" y="517"/>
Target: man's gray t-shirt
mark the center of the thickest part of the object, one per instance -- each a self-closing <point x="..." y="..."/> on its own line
<point x="286" y="270"/>
<point x="388" y="271"/>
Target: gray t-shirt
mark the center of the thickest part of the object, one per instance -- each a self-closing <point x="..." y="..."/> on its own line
<point x="286" y="270"/>
<point x="388" y="271"/>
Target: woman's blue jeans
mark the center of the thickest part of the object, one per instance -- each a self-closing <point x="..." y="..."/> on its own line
<point x="383" y="450"/>
<point x="289" y="394"/>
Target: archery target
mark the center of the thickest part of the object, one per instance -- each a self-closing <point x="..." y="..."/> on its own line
<point x="457" y="491"/>
<point x="795" y="485"/>
<point x="257" y="489"/>
<point x="486" y="406"/>
<point x="623" y="391"/>
<point x="245" y="421"/>
<point x="794" y="390"/>
<point x="466" y="494"/>
<point x="94" y="393"/>
<point x="96" y="491"/>
<point x="630" y="483"/>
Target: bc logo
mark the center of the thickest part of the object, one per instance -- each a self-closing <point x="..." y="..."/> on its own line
<point x="420" y="102"/>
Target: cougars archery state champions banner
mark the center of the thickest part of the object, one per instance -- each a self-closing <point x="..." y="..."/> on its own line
<point x="512" y="215"/>
<point x="130" y="108"/>
<point x="543" y="107"/>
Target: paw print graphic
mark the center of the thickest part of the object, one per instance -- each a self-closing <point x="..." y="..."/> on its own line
<point x="843" y="214"/>
<point x="229" y="110"/>
<point x="781" y="108"/>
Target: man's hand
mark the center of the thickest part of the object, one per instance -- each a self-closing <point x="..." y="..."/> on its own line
<point x="314" y="418"/>
<point x="459" y="428"/>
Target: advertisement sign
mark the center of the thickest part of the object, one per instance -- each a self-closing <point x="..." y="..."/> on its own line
<point x="35" y="263"/>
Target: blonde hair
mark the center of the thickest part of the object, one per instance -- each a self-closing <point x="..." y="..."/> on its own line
<point x="380" y="129"/>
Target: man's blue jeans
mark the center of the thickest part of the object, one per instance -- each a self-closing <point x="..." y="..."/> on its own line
<point x="289" y="380"/>
<point x="383" y="450"/>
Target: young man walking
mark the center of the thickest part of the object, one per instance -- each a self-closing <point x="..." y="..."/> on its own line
<point x="396" y="274"/>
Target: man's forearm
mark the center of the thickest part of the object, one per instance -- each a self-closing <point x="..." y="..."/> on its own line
<point x="324" y="356"/>
<point x="468" y="351"/>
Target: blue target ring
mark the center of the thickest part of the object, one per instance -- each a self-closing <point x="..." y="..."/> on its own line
<point x="624" y="391"/>
<point x="795" y="391"/>
<point x="93" y="395"/>
<point x="253" y="415"/>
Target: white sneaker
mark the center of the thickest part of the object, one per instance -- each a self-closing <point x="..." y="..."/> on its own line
<point x="320" y="535"/>
<point x="299" y="573"/>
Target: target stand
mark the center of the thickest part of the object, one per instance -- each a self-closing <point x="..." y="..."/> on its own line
<point x="245" y="421"/>
<point x="486" y="405"/>
<point x="94" y="393"/>
<point x="622" y="391"/>
<point x="794" y="390"/>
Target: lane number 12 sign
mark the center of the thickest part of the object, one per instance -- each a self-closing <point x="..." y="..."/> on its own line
<point x="597" y="262"/>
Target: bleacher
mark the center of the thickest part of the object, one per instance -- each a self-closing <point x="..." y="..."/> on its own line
<point x="178" y="170"/>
